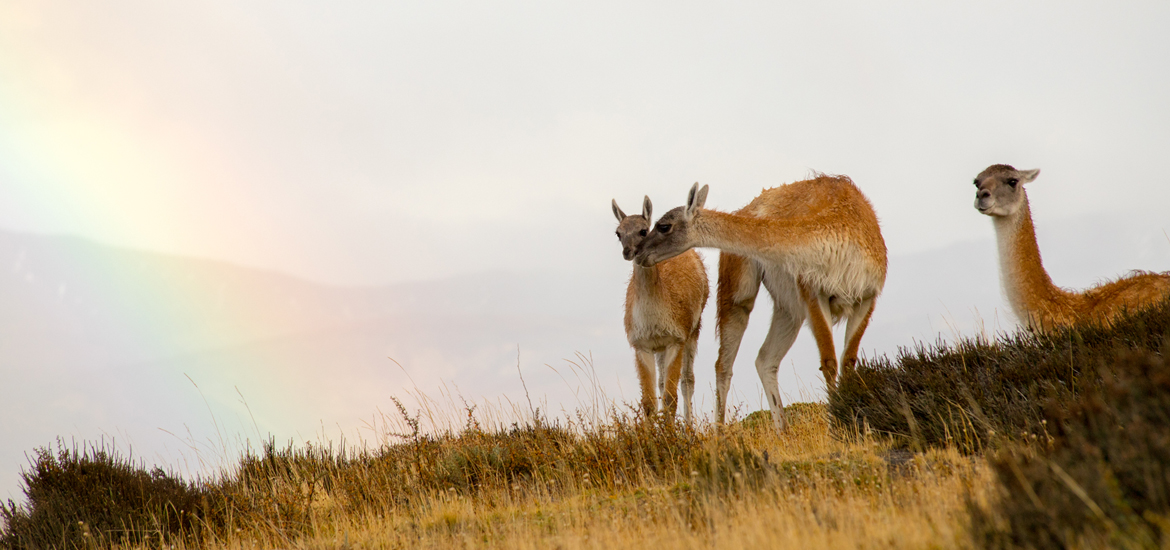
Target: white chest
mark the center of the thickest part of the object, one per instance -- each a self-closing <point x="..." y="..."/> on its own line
<point x="1005" y="240"/>
<point x="653" y="325"/>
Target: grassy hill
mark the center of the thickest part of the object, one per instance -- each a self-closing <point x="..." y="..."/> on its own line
<point x="624" y="483"/>
<point x="1030" y="441"/>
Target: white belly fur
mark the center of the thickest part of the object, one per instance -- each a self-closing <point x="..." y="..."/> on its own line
<point x="835" y="269"/>
<point x="653" y="328"/>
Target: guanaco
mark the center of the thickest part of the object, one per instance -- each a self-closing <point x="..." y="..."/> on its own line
<point x="1039" y="304"/>
<point x="664" y="305"/>
<point x="814" y="244"/>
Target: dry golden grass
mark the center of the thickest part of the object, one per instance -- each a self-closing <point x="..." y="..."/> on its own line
<point x="814" y="491"/>
<point x="507" y="476"/>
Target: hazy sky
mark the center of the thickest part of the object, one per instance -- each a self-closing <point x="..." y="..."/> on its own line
<point x="377" y="142"/>
<point x="381" y="142"/>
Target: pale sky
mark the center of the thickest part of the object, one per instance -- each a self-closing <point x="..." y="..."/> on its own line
<point x="380" y="142"/>
<point x="383" y="142"/>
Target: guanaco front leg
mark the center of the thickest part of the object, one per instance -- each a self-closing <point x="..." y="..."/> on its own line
<point x="644" y="361"/>
<point x="819" y="319"/>
<point x="672" y="360"/>
<point x="781" y="334"/>
<point x="688" y="374"/>
<point x="660" y="359"/>
<point x="739" y="283"/>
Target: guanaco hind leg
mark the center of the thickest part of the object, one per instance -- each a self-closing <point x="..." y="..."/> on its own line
<point x="820" y="322"/>
<point x="854" y="329"/>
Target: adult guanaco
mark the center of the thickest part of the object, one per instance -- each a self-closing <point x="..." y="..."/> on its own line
<point x="1039" y="304"/>
<point x="814" y="244"/>
<point x="664" y="305"/>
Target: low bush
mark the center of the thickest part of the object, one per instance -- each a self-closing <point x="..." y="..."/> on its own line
<point x="78" y="498"/>
<point x="972" y="392"/>
<point x="1100" y="475"/>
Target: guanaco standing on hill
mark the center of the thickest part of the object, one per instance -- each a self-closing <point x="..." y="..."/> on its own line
<point x="815" y="245"/>
<point x="1039" y="304"/>
<point x="664" y="305"/>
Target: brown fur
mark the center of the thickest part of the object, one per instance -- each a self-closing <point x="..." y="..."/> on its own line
<point x="801" y="213"/>
<point x="823" y="333"/>
<point x="1038" y="302"/>
<point x="731" y="267"/>
<point x="663" y="311"/>
<point x="819" y="243"/>
<point x="687" y="287"/>
<point x="688" y="284"/>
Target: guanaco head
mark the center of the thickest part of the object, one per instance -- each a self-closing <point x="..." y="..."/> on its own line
<point x="632" y="230"/>
<point x="671" y="233"/>
<point x="999" y="190"/>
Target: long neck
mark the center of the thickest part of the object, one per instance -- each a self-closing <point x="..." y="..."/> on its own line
<point x="646" y="279"/>
<point x="1028" y="287"/>
<point x="765" y="238"/>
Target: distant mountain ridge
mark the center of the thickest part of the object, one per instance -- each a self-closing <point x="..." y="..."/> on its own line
<point x="97" y="340"/>
<point x="61" y="284"/>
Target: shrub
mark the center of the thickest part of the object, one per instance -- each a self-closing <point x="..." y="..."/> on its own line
<point x="1102" y="474"/>
<point x="78" y="498"/>
<point x="965" y="393"/>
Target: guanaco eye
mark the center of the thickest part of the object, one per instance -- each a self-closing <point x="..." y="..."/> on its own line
<point x="642" y="233"/>
<point x="976" y="183"/>
<point x="1012" y="181"/>
<point x="619" y="234"/>
<point x="663" y="227"/>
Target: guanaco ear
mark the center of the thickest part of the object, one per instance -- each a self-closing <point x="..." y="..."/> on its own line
<point x="646" y="207"/>
<point x="617" y="211"/>
<point x="696" y="198"/>
<point x="1028" y="175"/>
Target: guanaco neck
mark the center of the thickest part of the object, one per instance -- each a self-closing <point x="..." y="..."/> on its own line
<point x="744" y="235"/>
<point x="1027" y="285"/>
<point x="646" y="280"/>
